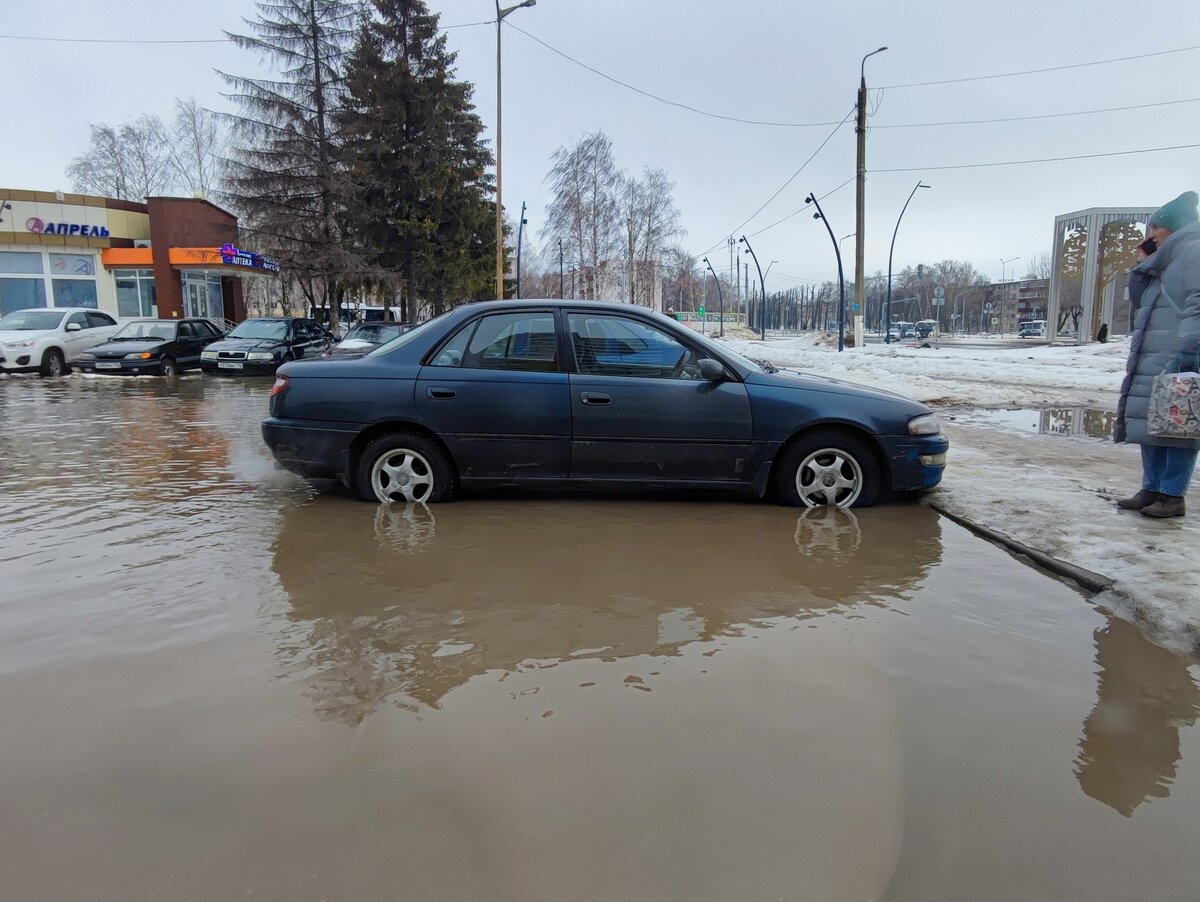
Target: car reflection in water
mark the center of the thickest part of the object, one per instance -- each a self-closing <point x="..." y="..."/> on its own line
<point x="404" y="607"/>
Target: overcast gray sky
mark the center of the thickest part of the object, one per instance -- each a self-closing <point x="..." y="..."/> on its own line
<point x="786" y="62"/>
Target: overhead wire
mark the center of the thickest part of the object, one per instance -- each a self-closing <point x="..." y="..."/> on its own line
<point x="1082" y="156"/>
<point x="1103" y="62"/>
<point x="61" y="40"/>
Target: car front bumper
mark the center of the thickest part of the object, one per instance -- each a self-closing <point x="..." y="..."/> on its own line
<point x="245" y="367"/>
<point x="917" y="462"/>
<point x="122" y="368"/>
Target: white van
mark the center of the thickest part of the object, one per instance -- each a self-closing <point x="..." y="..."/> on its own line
<point x="1031" y="328"/>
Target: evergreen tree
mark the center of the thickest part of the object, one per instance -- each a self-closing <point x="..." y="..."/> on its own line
<point x="418" y="185"/>
<point x="283" y="177"/>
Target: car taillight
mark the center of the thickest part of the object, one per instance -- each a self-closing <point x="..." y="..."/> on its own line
<point x="281" y="382"/>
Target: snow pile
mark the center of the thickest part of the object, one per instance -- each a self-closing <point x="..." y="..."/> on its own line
<point x="1055" y="493"/>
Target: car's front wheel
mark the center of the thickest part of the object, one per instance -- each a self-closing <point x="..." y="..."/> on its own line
<point x="404" y="467"/>
<point x="53" y="363"/>
<point x="167" y="367"/>
<point x="828" y="467"/>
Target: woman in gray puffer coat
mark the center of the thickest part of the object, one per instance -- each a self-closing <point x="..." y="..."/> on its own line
<point x="1166" y="337"/>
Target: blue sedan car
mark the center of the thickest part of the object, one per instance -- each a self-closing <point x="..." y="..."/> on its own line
<point x="579" y="394"/>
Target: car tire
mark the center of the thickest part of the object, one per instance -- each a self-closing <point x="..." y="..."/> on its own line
<point x="53" y="364"/>
<point x="404" y="467"/>
<point x="167" y="368"/>
<point x="831" y="461"/>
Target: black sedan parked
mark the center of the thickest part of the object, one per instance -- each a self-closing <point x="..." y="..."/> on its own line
<point x="259" y="346"/>
<point x="562" y="393"/>
<point x="161" y="347"/>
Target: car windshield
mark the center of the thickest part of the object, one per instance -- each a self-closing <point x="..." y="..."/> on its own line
<point x="31" y="320"/>
<point x="374" y="332"/>
<point x="259" y="328"/>
<point x="163" y="330"/>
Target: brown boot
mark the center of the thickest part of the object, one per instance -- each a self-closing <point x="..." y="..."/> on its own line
<point x="1142" y="499"/>
<point x="1166" y="506"/>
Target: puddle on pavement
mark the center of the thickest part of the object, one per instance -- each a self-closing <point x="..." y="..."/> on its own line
<point x="1077" y="421"/>
<point x="221" y="682"/>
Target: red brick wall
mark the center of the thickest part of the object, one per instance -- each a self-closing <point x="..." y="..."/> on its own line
<point x="189" y="222"/>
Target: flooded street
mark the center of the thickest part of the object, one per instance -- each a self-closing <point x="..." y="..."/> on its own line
<point x="218" y="681"/>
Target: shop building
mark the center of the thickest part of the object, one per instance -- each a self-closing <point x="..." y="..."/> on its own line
<point x="167" y="257"/>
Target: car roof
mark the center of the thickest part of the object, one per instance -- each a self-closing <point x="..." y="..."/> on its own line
<point x="613" y="306"/>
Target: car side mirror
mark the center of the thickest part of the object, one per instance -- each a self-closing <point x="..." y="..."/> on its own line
<point x="74" y="327"/>
<point x="711" y="370"/>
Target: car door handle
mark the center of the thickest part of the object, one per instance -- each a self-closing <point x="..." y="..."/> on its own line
<point x="440" y="394"/>
<point x="591" y="397"/>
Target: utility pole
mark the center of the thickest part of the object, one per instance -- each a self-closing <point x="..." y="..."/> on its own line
<point x="560" y="271"/>
<point x="860" y="202"/>
<point x="520" y="229"/>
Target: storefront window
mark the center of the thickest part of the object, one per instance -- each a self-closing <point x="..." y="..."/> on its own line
<point x="20" y="294"/>
<point x="20" y="262"/>
<point x="202" y="296"/>
<point x="135" y="292"/>
<point x="75" y="293"/>
<point x="72" y="265"/>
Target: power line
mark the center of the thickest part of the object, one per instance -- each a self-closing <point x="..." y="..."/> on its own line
<point x="1114" y="109"/>
<point x="57" y="40"/>
<point x="1117" y="59"/>
<point x="802" y="209"/>
<point x="1084" y="156"/>
<point x="791" y="179"/>
<point x="674" y="103"/>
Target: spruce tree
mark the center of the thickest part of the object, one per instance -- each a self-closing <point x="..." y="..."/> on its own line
<point x="283" y="177"/>
<point x="419" y="192"/>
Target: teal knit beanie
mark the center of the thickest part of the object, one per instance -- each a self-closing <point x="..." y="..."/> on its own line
<point x="1178" y="213"/>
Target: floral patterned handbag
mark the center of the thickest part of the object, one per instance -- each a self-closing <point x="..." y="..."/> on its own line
<point x="1175" y="404"/>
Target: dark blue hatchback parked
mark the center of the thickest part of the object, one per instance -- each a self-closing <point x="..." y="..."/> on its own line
<point x="571" y="393"/>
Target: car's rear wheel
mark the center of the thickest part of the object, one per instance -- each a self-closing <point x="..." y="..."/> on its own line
<point x="53" y="364"/>
<point x="828" y="468"/>
<point x="167" y="367"/>
<point x="404" y="467"/>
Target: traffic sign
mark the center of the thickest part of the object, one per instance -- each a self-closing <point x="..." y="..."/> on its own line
<point x="856" y="306"/>
<point x="939" y="292"/>
<point x="939" y="302"/>
<point x="987" y="308"/>
<point x="995" y="320"/>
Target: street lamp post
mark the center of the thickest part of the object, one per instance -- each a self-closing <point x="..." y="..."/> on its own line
<point x="1004" y="291"/>
<point x="762" y="286"/>
<point x="887" y="335"/>
<point x="860" y="201"/>
<point x="520" y="227"/>
<point x="560" y="270"/>
<point x="720" y="297"/>
<point x="820" y="214"/>
<point x="500" y="14"/>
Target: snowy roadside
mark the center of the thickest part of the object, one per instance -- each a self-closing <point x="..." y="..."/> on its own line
<point x="1055" y="493"/>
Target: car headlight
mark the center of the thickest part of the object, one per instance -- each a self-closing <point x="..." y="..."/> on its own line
<point x="142" y="355"/>
<point x="87" y="356"/>
<point x="208" y="355"/>
<point x="21" y="344"/>
<point x="260" y="355"/>
<point x="924" y="425"/>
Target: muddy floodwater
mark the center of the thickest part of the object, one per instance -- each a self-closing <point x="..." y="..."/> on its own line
<point x="219" y="682"/>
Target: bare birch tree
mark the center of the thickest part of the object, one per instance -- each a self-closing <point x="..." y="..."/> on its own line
<point x="127" y="162"/>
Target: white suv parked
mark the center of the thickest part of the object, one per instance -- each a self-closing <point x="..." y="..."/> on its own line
<point x="49" y="339"/>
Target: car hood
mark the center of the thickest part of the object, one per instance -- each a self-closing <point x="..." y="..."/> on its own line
<point x="246" y="344"/>
<point x="121" y="348"/>
<point x="355" y="344"/>
<point x="810" y="382"/>
<point x="15" y="335"/>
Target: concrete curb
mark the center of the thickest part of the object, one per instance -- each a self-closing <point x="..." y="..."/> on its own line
<point x="1087" y="579"/>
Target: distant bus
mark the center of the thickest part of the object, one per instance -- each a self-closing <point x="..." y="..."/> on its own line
<point x="360" y="314"/>
<point x="1031" y="328"/>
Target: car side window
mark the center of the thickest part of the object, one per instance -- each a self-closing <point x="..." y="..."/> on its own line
<point x="98" y="321"/>
<point x="205" y="329"/>
<point x="607" y="345"/>
<point x="506" y="341"/>
<point x="187" y="331"/>
<point x="79" y="319"/>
